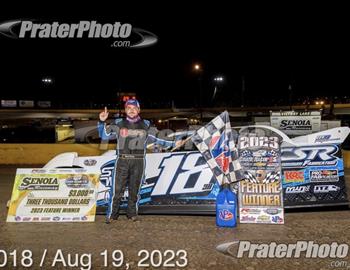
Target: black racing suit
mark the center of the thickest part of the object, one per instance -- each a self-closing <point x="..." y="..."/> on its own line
<point x="132" y="139"/>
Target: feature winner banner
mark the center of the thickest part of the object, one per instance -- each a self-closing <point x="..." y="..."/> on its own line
<point x="54" y="195"/>
<point x="296" y="123"/>
<point x="260" y="194"/>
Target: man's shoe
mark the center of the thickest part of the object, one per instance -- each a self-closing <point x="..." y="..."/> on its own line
<point x="108" y="220"/>
<point x="134" y="219"/>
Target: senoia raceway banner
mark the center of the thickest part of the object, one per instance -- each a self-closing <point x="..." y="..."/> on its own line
<point x="260" y="194"/>
<point x="296" y="123"/>
<point x="54" y="195"/>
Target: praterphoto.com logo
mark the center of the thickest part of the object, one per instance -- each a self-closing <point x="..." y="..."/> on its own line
<point x="123" y="34"/>
<point x="299" y="249"/>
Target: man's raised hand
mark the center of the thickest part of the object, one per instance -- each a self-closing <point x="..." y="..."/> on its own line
<point x="104" y="115"/>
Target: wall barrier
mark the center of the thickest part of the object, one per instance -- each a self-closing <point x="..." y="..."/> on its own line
<point x="12" y="154"/>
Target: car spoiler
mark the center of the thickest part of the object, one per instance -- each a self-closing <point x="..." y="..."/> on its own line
<point x="329" y="136"/>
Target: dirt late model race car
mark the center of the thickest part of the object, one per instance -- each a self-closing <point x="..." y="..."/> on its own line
<point x="312" y="174"/>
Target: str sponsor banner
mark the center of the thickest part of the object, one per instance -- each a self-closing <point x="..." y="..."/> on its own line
<point x="296" y="123"/>
<point x="54" y="195"/>
<point x="313" y="175"/>
<point x="260" y="194"/>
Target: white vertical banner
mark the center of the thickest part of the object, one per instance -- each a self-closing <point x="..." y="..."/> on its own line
<point x="260" y="194"/>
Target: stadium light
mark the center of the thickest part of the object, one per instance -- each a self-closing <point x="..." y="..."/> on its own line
<point x="47" y="80"/>
<point x="198" y="70"/>
<point x="197" y="67"/>
<point x="218" y="79"/>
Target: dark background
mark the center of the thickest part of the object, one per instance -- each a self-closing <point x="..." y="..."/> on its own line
<point x="272" y="47"/>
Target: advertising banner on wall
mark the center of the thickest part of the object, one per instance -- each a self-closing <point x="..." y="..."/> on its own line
<point x="44" y="104"/>
<point x="54" y="195"/>
<point x="296" y="123"/>
<point x="26" y="103"/>
<point x="260" y="194"/>
<point x="8" y="103"/>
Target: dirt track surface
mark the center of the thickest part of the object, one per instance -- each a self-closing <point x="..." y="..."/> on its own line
<point x="198" y="235"/>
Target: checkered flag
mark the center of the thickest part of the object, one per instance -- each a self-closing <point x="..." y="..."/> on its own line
<point x="246" y="153"/>
<point x="215" y="142"/>
<point x="271" y="177"/>
<point x="250" y="177"/>
<point x="273" y="153"/>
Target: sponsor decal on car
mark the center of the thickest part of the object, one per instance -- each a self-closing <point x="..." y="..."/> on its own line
<point x="38" y="171"/>
<point x="325" y="138"/>
<point x="320" y="155"/>
<point x="90" y="162"/>
<point x="297" y="189"/>
<point x="322" y="138"/>
<point x="106" y="177"/>
<point x="324" y="176"/>
<point x="293" y="176"/>
<point x="325" y="188"/>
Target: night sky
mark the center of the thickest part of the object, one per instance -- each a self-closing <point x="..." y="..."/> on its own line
<point x="271" y="48"/>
